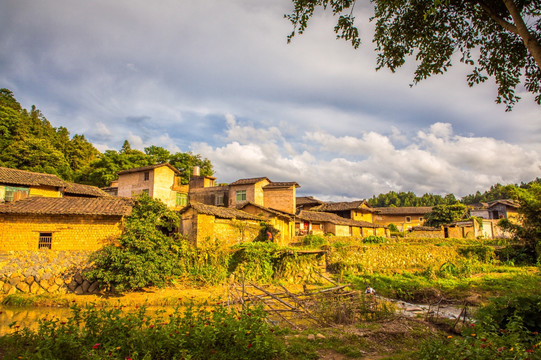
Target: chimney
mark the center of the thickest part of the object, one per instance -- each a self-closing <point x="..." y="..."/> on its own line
<point x="195" y="171"/>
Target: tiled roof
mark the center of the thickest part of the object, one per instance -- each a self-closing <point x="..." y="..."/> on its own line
<point x="87" y="190"/>
<point x="403" y="210"/>
<point x="283" y="184"/>
<point x="218" y="211"/>
<point x="342" y="206"/>
<point x="28" y="178"/>
<point x="305" y="200"/>
<point x="249" y="181"/>
<point x="333" y="219"/>
<point x="69" y="206"/>
<point x="272" y="211"/>
<point x="150" y="167"/>
<point x="506" y="202"/>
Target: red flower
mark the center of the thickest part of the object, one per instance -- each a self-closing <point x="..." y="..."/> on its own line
<point x="529" y="351"/>
<point x="250" y="345"/>
<point x="151" y="326"/>
<point x="96" y="346"/>
<point x="214" y="351"/>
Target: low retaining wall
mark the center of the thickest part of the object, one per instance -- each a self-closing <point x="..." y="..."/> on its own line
<point x="45" y="271"/>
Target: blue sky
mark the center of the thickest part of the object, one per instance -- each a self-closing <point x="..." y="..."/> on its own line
<point x="218" y="78"/>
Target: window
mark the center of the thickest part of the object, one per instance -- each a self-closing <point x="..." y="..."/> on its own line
<point x="219" y="199"/>
<point x="408" y="219"/>
<point x="241" y="195"/>
<point x="182" y="199"/>
<point x="45" y="240"/>
<point x="421" y="219"/>
<point x="146" y="176"/>
<point x="15" y="193"/>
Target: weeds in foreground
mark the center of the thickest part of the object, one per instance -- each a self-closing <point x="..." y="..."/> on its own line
<point x="197" y="332"/>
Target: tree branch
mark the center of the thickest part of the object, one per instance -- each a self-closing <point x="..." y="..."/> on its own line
<point x="498" y="19"/>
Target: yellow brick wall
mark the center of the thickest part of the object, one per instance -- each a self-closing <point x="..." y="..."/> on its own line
<point x="361" y="215"/>
<point x="21" y="232"/>
<point x="227" y="231"/>
<point x="45" y="191"/>
<point x="164" y="179"/>
<point x="398" y="220"/>
<point x="280" y="199"/>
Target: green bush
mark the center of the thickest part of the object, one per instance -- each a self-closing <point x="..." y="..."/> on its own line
<point x="147" y="252"/>
<point x="255" y="260"/>
<point x="197" y="332"/>
<point x="373" y="239"/>
<point x="314" y="241"/>
<point x="479" y="252"/>
<point x="502" y="309"/>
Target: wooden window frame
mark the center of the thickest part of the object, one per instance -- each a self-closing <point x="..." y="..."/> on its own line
<point x="240" y="195"/>
<point x="45" y="240"/>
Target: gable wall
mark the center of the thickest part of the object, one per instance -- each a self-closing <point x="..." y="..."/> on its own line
<point x="280" y="199"/>
<point x="164" y="179"/>
<point x="134" y="183"/>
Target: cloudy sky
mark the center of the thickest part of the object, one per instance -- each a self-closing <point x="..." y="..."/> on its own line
<point x="217" y="78"/>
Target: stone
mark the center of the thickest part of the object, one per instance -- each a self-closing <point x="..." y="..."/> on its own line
<point x="78" y="277"/>
<point x="59" y="281"/>
<point x="14" y="280"/>
<point x="23" y="287"/>
<point x="6" y="287"/>
<point x="29" y="279"/>
<point x="311" y="337"/>
<point x="79" y="290"/>
<point x="12" y="290"/>
<point x="34" y="287"/>
<point x="73" y="285"/>
<point x="44" y="284"/>
<point x="52" y="289"/>
<point x="320" y="336"/>
<point x="94" y="287"/>
<point x="85" y="285"/>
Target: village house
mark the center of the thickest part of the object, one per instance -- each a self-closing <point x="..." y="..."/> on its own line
<point x="321" y="223"/>
<point x="404" y="218"/>
<point x="202" y="223"/>
<point x="306" y="203"/>
<point x="355" y="210"/>
<point x="280" y="220"/>
<point x="20" y="184"/>
<point x="68" y="223"/>
<point x="161" y="181"/>
<point x="498" y="209"/>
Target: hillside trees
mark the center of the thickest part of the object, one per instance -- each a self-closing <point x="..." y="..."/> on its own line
<point x="28" y="141"/>
<point x="498" y="38"/>
<point x="409" y="198"/>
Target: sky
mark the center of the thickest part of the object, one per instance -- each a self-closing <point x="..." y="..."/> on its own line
<point x="218" y="78"/>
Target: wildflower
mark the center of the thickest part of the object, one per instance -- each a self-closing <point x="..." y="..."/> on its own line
<point x="271" y="330"/>
<point x="529" y="351"/>
<point x="214" y="351"/>
<point x="474" y="335"/>
<point x="483" y="345"/>
<point x="450" y="337"/>
<point x="500" y="349"/>
<point x="484" y="339"/>
<point x="472" y="325"/>
<point x="117" y="348"/>
<point x="96" y="346"/>
<point x="250" y="345"/>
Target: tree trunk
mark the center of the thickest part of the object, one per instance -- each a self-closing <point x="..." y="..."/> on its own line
<point x="530" y="41"/>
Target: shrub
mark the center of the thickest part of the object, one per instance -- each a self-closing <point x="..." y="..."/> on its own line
<point x="479" y="252"/>
<point x="373" y="239"/>
<point x="314" y="241"/>
<point x="146" y="252"/>
<point x="256" y="260"/>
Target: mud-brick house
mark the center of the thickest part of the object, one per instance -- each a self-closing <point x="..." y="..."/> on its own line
<point x="61" y="223"/>
<point x="282" y="221"/>
<point x="358" y="210"/>
<point x="19" y="184"/>
<point x="161" y="181"/>
<point x="307" y="203"/>
<point x="320" y="223"/>
<point x="405" y="217"/>
<point x="498" y="209"/>
<point x="202" y="223"/>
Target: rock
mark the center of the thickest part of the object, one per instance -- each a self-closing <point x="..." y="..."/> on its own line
<point x="52" y="289"/>
<point x="14" y="280"/>
<point x="12" y="290"/>
<point x="73" y="285"/>
<point x="311" y="337"/>
<point x="59" y="281"/>
<point x="34" y="288"/>
<point x="94" y="287"/>
<point x="79" y="278"/>
<point x="23" y="287"/>
<point x="320" y="336"/>
<point x="29" y="279"/>
<point x="85" y="285"/>
<point x="79" y="290"/>
<point x="44" y="284"/>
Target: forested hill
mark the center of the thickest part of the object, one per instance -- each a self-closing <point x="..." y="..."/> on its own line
<point x="392" y="198"/>
<point x="28" y="141"/>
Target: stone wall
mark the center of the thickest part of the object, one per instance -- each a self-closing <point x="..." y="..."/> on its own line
<point x="45" y="272"/>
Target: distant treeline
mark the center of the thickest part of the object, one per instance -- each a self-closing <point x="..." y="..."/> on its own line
<point x="28" y="141"/>
<point x="392" y="198"/>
